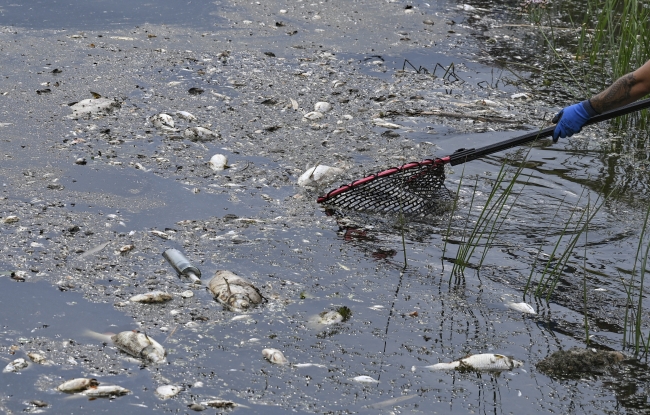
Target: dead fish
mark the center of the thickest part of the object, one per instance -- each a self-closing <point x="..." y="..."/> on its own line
<point x="274" y="356"/>
<point x="126" y="248"/>
<point x="77" y="385"/>
<point x="105" y="391"/>
<point x="162" y="120"/>
<point x="93" y="106"/>
<point x="301" y="365"/>
<point x="11" y="219"/>
<point x="218" y="162"/>
<point x="233" y="291"/>
<point x="219" y="403"/>
<point x="480" y="362"/>
<point x="186" y="115"/>
<point x="151" y="297"/>
<point x="37" y="358"/>
<point x="322" y="107"/>
<point x="140" y="345"/>
<point x="385" y="124"/>
<point x="160" y="234"/>
<point x="364" y="379"/>
<point x="521" y="307"/>
<point x="320" y="174"/>
<point x="167" y="391"/>
<point x="314" y="115"/>
<point x="200" y="134"/>
<point x="16" y="366"/>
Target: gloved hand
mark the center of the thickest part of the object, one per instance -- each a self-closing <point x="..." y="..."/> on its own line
<point x="571" y="119"/>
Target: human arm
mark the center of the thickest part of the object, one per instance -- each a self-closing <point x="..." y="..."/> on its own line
<point x="623" y="91"/>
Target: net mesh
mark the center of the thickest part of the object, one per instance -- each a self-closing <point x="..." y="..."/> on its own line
<point x="412" y="189"/>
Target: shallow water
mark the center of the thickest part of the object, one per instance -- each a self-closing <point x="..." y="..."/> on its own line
<point x="254" y="220"/>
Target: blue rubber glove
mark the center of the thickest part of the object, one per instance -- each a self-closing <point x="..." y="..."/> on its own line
<point x="571" y="119"/>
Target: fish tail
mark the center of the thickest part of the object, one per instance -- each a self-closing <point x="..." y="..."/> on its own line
<point x="98" y="336"/>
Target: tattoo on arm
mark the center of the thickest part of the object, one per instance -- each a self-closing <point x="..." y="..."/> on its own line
<point x="618" y="94"/>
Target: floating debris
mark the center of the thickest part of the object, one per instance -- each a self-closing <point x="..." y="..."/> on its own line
<point x="364" y="379"/>
<point x="151" y="297"/>
<point x="77" y="385"/>
<point x="314" y="115"/>
<point x="187" y="294"/>
<point x="218" y="162"/>
<point x="200" y="134"/>
<point x="168" y="391"/>
<point x="576" y="362"/>
<point x="105" y="391"/>
<point x="162" y="120"/>
<point x="320" y="174"/>
<point x="93" y="106"/>
<point x="15" y="366"/>
<point x="140" y="345"/>
<point x="233" y="291"/>
<point x="274" y="356"/>
<point x="11" y="219"/>
<point x="522" y="307"/>
<point x="322" y="107"/>
<point x="480" y="362"/>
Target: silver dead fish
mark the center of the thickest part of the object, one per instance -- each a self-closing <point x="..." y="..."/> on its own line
<point x="233" y="291"/>
<point x="480" y="362"/>
<point x="77" y="385"/>
<point x="16" y="365"/>
<point x="274" y="356"/>
<point x="105" y="391"/>
<point x="151" y="297"/>
<point x="140" y="345"/>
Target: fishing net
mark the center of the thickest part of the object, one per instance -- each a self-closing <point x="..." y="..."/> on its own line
<point x="416" y="188"/>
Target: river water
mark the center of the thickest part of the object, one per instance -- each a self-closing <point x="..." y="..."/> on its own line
<point x="83" y="187"/>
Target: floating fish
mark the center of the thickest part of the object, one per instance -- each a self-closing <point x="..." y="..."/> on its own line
<point x="385" y="124"/>
<point x="151" y="297"/>
<point x="274" y="356"/>
<point x="364" y="379"/>
<point x="139" y="345"/>
<point x="322" y="107"/>
<point x="521" y="307"/>
<point x="320" y="174"/>
<point x="105" y="391"/>
<point x="200" y="134"/>
<point x="16" y="365"/>
<point x="233" y="291"/>
<point x="37" y="358"/>
<point x="301" y="365"/>
<point x="218" y="162"/>
<point x="160" y="234"/>
<point x="480" y="362"/>
<point x="11" y="219"/>
<point x="77" y="385"/>
<point x="168" y="391"/>
<point x="219" y="403"/>
<point x="314" y="115"/>
<point x="162" y="120"/>
<point x="186" y="115"/>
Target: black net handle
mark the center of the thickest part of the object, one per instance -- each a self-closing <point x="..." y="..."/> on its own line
<point x="465" y="155"/>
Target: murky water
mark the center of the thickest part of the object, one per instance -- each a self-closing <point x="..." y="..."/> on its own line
<point x="250" y="61"/>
